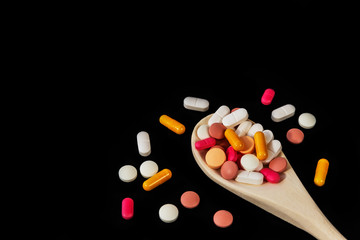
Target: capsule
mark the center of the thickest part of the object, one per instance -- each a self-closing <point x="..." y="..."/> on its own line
<point x="127" y="209"/>
<point x="260" y="146"/>
<point x="234" y="140"/>
<point x="172" y="124"/>
<point x="321" y="172"/>
<point x="157" y="179"/>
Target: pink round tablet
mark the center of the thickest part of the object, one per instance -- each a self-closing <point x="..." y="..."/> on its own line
<point x="229" y="170"/>
<point x="217" y="130"/>
<point x="190" y="199"/>
<point x="295" y="136"/>
<point x="278" y="164"/>
<point x="223" y="218"/>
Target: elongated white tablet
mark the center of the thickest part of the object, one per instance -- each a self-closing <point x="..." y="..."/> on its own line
<point x="249" y="177"/>
<point x="203" y="132"/>
<point x="196" y="104"/>
<point x="274" y="148"/>
<point x="148" y="169"/>
<point x="282" y="113"/>
<point x="168" y="213"/>
<point x="257" y="127"/>
<point x="307" y="120"/>
<point x="127" y="173"/>
<point x="243" y="128"/>
<point x="235" y="118"/>
<point x="269" y="136"/>
<point x="143" y="142"/>
<point x="219" y="115"/>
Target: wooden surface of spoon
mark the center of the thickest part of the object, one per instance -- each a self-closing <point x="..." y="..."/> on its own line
<point x="288" y="200"/>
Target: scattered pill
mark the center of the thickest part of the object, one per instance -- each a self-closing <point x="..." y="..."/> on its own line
<point x="215" y="157"/>
<point x="172" y="124"/>
<point x="196" y="104"/>
<point x="270" y="175"/>
<point x="234" y="140"/>
<point x="295" y="136"/>
<point x="321" y="171"/>
<point x="203" y="132"/>
<point x="249" y="177"/>
<point x="223" y="218"/>
<point x="205" y="143"/>
<point x="249" y="162"/>
<point x="127" y="208"/>
<point x="148" y="169"/>
<point x="278" y="164"/>
<point x="143" y="142"/>
<point x="260" y="146"/>
<point x="243" y="128"/>
<point x="127" y="173"/>
<point x="235" y="118"/>
<point x="229" y="170"/>
<point x="249" y="145"/>
<point x="156" y="180"/>
<point x="307" y="120"/>
<point x="168" y="213"/>
<point x="282" y="113"/>
<point x="268" y="96"/>
<point x="257" y="127"/>
<point x="219" y="115"/>
<point x="190" y="199"/>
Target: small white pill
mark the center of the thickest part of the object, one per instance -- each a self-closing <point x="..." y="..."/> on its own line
<point x="282" y="113"/>
<point x="249" y="162"/>
<point x="274" y="148"/>
<point x="219" y="115"/>
<point x="148" y="168"/>
<point x="249" y="177"/>
<point x="269" y="136"/>
<point x="127" y="173"/>
<point x="307" y="120"/>
<point x="243" y="128"/>
<point x="168" y="213"/>
<point x="143" y="142"/>
<point x="196" y="104"/>
<point x="235" y="118"/>
<point x="203" y="132"/>
<point x="257" y="127"/>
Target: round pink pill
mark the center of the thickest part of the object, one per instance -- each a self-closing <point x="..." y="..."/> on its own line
<point x="295" y="136"/>
<point x="190" y="199"/>
<point x="223" y="218"/>
<point x="229" y="170"/>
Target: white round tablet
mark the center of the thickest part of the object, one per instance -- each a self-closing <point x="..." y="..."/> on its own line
<point x="249" y="162"/>
<point x="168" y="213"/>
<point x="307" y="120"/>
<point x="127" y="173"/>
<point x="148" y="168"/>
<point x="203" y="132"/>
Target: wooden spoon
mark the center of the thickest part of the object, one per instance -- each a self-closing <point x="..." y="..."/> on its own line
<point x="287" y="200"/>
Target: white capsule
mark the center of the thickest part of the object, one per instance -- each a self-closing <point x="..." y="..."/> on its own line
<point x="243" y="128"/>
<point x="219" y="115"/>
<point x="257" y="127"/>
<point x="196" y="104"/>
<point x="282" y="113"/>
<point x="249" y="177"/>
<point x="274" y="149"/>
<point x="235" y="118"/>
<point x="143" y="142"/>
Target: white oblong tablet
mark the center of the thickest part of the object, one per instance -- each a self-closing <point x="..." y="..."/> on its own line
<point x="249" y="162"/>
<point x="249" y="177"/>
<point x="257" y="127"/>
<point x="143" y="142"/>
<point x="196" y="104"/>
<point x="219" y="115"/>
<point x="203" y="131"/>
<point x="269" y="136"/>
<point x="307" y="120"/>
<point x="148" y="168"/>
<point x="168" y="213"/>
<point x="274" y="148"/>
<point x="235" y="118"/>
<point x="127" y="173"/>
<point x="243" y="128"/>
<point x="282" y="113"/>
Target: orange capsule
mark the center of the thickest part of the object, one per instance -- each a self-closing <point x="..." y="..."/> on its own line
<point x="158" y="179"/>
<point x="260" y="146"/>
<point x="234" y="140"/>
<point x="172" y="124"/>
<point x="321" y="172"/>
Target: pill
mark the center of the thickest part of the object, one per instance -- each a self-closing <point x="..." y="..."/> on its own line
<point x="282" y="113"/>
<point x="257" y="127"/>
<point x="295" y="136"/>
<point x="215" y="157"/>
<point x="270" y="175"/>
<point x="274" y="148"/>
<point x="229" y="170"/>
<point x="234" y="140"/>
<point x="235" y="118"/>
<point x="269" y="136"/>
<point x="321" y="171"/>
<point x="168" y="213"/>
<point x="196" y="104"/>
<point x="249" y="177"/>
<point x="249" y="162"/>
<point x="217" y="130"/>
<point x="172" y="124"/>
<point x="148" y="168"/>
<point x="260" y="146"/>
<point x="249" y="145"/>
<point x="223" y="218"/>
<point x="203" y="132"/>
<point x="307" y="120"/>
<point x="268" y="96"/>
<point x="259" y="167"/>
<point x="190" y="199"/>
<point x="243" y="128"/>
<point x="158" y="179"/>
<point x="219" y="114"/>
<point x="231" y="154"/>
<point x="127" y="173"/>
<point x="205" y="143"/>
<point x="143" y="142"/>
<point x="278" y="164"/>
<point x="127" y="208"/>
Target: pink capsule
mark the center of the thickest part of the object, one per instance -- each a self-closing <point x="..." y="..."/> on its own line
<point x="127" y="208"/>
<point x="270" y="175"/>
<point x="205" y="143"/>
<point x="268" y="96"/>
<point x="231" y="154"/>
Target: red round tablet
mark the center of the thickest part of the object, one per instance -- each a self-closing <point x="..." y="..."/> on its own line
<point x="223" y="218"/>
<point x="295" y="136"/>
<point x="190" y="199"/>
<point x="278" y="164"/>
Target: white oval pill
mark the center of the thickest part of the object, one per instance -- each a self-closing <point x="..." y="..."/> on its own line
<point x="203" y="132"/>
<point x="219" y="115"/>
<point x="307" y="120"/>
<point x="269" y="136"/>
<point x="148" y="168"/>
<point x="282" y="113"/>
<point x="196" y="104"/>
<point x="274" y="148"/>
<point x="143" y="142"/>
<point x="249" y="177"/>
<point x="235" y="118"/>
<point x="243" y="128"/>
<point x="257" y="127"/>
<point x="249" y="162"/>
<point x="168" y="213"/>
<point x="127" y="173"/>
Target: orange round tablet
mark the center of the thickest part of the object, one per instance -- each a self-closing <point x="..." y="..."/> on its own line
<point x="223" y="218"/>
<point x="295" y="136"/>
<point x="249" y="144"/>
<point x="190" y="199"/>
<point x="215" y="157"/>
<point x="278" y="164"/>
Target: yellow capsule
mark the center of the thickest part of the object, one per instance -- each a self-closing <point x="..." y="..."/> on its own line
<point x="157" y="179"/>
<point x="172" y="124"/>
<point x="321" y="172"/>
<point x="234" y="140"/>
<point x="260" y="146"/>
